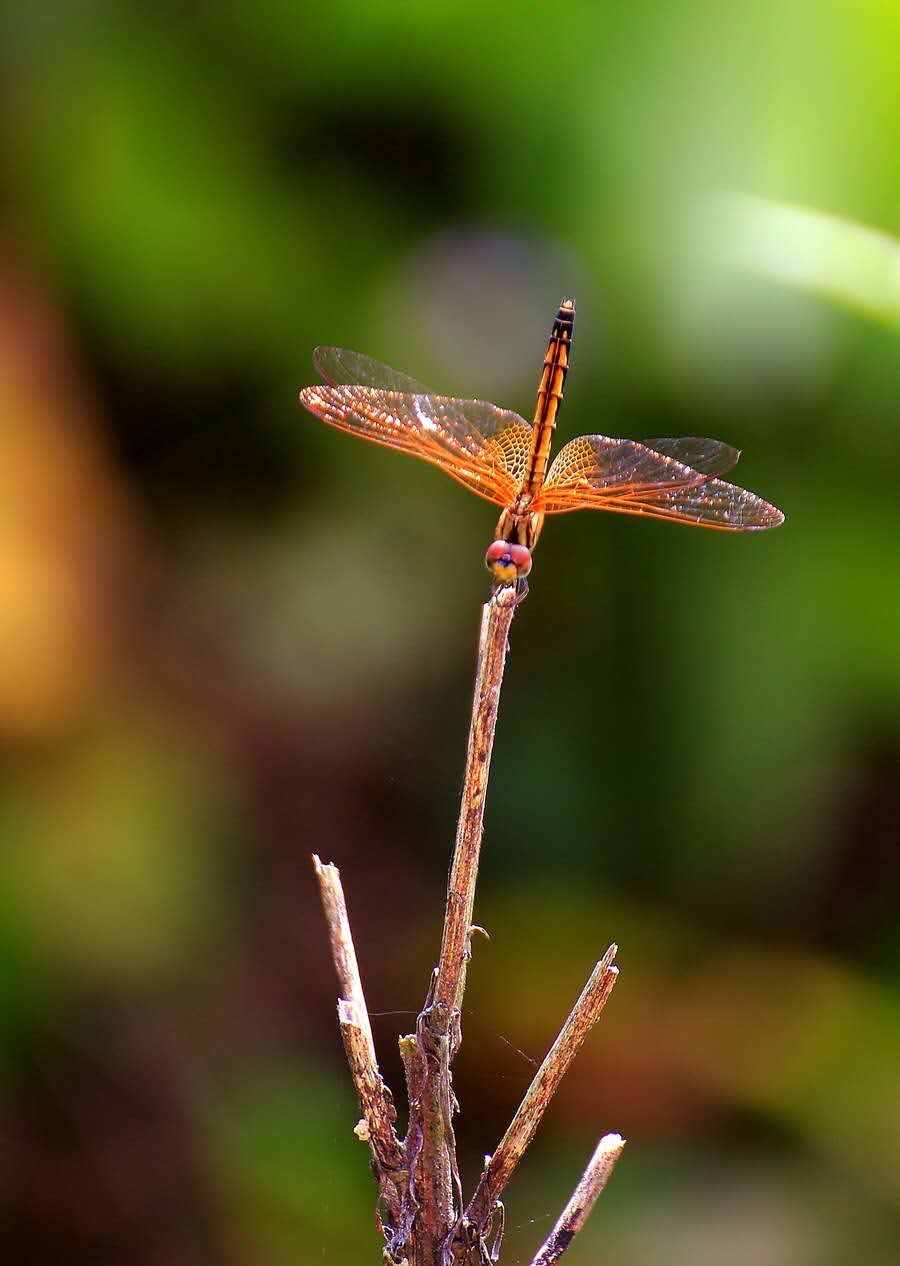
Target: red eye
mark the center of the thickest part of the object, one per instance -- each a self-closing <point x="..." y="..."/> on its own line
<point x="504" y="554"/>
<point x="520" y="555"/>
<point x="495" y="552"/>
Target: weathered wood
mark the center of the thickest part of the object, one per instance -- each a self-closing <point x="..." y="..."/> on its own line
<point x="582" y="1200"/>
<point x="450" y="981"/>
<point x="375" y="1100"/>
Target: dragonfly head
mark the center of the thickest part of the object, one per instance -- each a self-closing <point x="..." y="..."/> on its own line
<point x="507" y="562"/>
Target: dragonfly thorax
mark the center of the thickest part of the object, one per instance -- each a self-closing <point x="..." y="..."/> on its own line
<point x="520" y="524"/>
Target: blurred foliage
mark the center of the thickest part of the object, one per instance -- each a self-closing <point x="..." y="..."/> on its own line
<point x="230" y="636"/>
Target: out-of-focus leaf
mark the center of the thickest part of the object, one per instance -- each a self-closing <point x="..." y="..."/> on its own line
<point x="800" y="246"/>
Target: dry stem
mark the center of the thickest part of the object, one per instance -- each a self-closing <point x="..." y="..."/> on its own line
<point x="582" y="1200"/>
<point x="431" y="1143"/>
<point x="450" y="980"/>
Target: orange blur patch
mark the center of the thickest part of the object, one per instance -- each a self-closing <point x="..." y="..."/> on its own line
<point x="60" y="522"/>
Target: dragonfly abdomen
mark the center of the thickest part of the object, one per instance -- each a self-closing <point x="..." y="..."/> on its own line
<point x="550" y="394"/>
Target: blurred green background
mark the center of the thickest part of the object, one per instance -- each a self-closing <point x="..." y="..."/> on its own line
<point x="230" y="636"/>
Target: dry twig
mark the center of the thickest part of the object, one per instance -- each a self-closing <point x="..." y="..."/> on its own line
<point x="431" y="1143"/>
<point x="450" y="980"/>
<point x="375" y="1100"/>
<point x="582" y="1200"/>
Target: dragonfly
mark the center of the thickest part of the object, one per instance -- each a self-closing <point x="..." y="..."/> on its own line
<point x="499" y="456"/>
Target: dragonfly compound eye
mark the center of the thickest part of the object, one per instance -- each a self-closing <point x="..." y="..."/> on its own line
<point x="507" y="562"/>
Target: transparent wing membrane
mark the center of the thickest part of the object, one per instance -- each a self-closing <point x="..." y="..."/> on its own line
<point x="591" y="469"/>
<point x="486" y="449"/>
<point x="477" y="443"/>
<point x="712" y="504"/>
<point x="511" y="446"/>
<point x="710" y="457"/>
<point x="341" y="367"/>
<point x="664" y="479"/>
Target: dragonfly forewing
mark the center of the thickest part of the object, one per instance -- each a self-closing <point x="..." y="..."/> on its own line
<point x="475" y="442"/>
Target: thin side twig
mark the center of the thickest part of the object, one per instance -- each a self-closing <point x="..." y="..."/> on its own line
<point x="582" y="1200"/>
<point x="374" y="1097"/>
<point x="499" y="1168"/>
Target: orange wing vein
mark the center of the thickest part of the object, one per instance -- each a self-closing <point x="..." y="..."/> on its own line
<point x="479" y="444"/>
<point x="664" y="479"/>
<point x="712" y="504"/>
<point x="588" y="471"/>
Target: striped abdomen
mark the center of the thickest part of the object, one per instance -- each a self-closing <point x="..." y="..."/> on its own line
<point x="550" y="394"/>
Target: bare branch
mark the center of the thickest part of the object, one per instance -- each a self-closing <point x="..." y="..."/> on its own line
<point x="499" y="1167"/>
<point x="450" y="982"/>
<point x="419" y="1178"/>
<point x="582" y="1200"/>
<point x="430" y="1140"/>
<point x="374" y="1097"/>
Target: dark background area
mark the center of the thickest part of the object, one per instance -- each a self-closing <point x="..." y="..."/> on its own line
<point x="230" y="637"/>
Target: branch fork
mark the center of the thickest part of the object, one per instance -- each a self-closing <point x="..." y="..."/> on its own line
<point x="422" y="1214"/>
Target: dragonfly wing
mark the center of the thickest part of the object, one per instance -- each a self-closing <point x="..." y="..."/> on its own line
<point x="713" y="504"/>
<point x="341" y="367"/>
<point x="587" y="472"/>
<point x="477" y="443"/>
<point x="710" y="457"/>
<point x="509" y="447"/>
